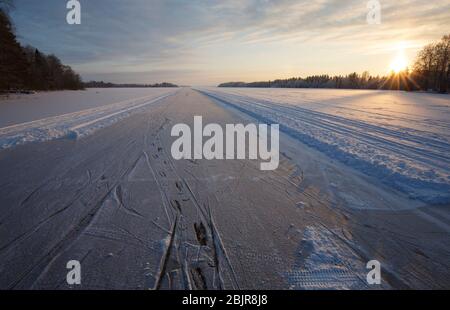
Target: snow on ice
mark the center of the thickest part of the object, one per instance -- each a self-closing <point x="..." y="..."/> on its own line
<point x="402" y="139"/>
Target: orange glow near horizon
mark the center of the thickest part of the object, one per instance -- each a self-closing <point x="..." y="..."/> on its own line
<point x="400" y="62"/>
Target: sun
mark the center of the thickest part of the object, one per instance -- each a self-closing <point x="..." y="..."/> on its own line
<point x="400" y="63"/>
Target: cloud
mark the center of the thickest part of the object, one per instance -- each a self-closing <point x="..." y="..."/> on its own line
<point x="193" y="36"/>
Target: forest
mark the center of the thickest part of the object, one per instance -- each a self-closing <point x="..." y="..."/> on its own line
<point x="430" y="72"/>
<point x="27" y="68"/>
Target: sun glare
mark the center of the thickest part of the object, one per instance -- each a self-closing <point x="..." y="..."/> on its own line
<point x="400" y="63"/>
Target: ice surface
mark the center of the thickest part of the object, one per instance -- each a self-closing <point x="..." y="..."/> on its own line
<point x="80" y="123"/>
<point x="403" y="139"/>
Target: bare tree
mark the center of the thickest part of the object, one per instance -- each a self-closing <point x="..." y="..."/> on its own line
<point x="431" y="69"/>
<point x="443" y="51"/>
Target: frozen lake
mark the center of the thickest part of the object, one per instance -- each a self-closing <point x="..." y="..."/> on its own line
<point x="399" y="138"/>
<point x="97" y="183"/>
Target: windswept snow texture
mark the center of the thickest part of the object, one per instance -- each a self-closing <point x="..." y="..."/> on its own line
<point x="401" y="138"/>
<point x="77" y="124"/>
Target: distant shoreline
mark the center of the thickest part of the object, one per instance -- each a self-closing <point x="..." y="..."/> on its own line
<point x="419" y="91"/>
<point x="101" y="84"/>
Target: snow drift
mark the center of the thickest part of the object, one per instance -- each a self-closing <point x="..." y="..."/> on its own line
<point x="77" y="124"/>
<point x="403" y="139"/>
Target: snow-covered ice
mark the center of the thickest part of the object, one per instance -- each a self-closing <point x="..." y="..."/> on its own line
<point x="402" y="139"/>
<point x="79" y="123"/>
<point x="117" y="200"/>
<point x="21" y="108"/>
<point x="324" y="262"/>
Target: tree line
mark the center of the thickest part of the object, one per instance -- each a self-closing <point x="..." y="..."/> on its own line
<point x="26" y="68"/>
<point x="101" y="84"/>
<point x="432" y="66"/>
<point x="430" y="72"/>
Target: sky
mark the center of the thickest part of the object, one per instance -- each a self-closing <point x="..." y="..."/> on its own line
<point x="193" y="42"/>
